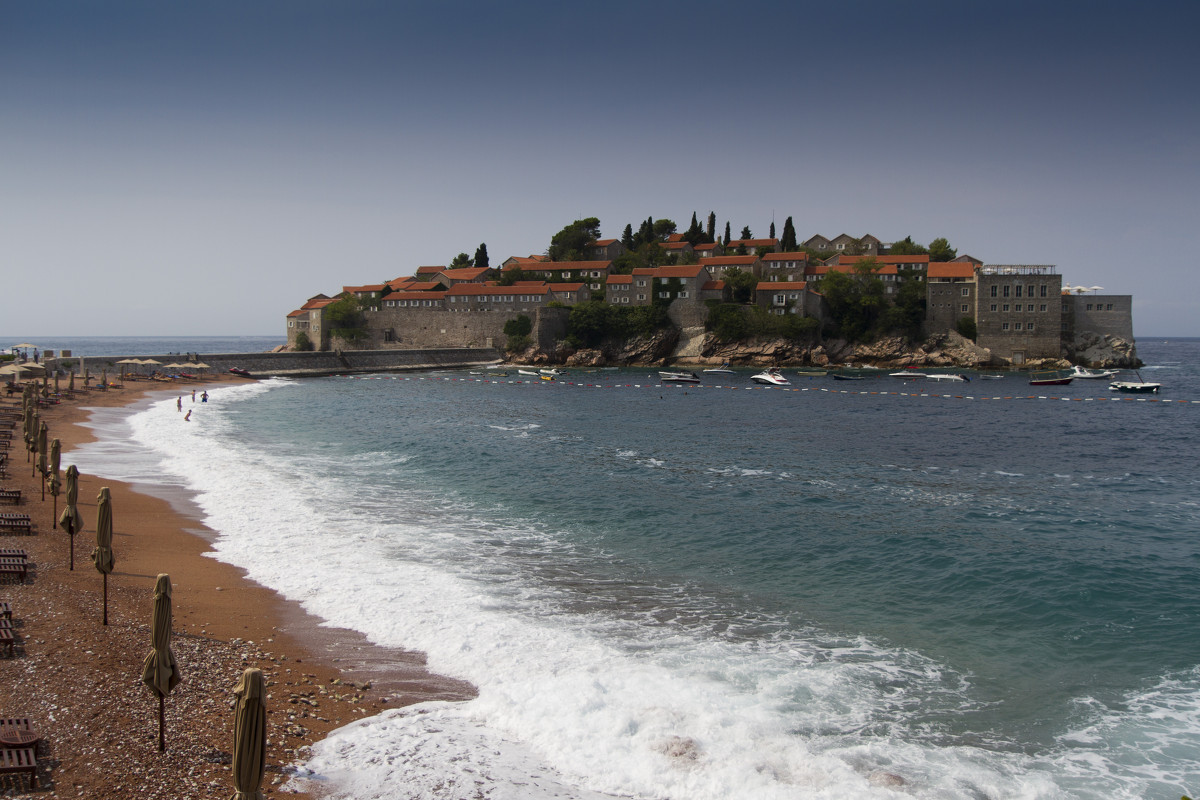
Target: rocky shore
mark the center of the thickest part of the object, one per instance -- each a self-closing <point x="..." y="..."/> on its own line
<point x="940" y="350"/>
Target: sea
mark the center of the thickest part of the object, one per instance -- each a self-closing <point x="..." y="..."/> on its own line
<point x="884" y="588"/>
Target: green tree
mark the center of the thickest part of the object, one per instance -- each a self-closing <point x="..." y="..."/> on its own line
<point x="771" y="235"/>
<point x="627" y="238"/>
<point x="694" y="234"/>
<point x="906" y="247"/>
<point x="746" y="234"/>
<point x="741" y="284"/>
<point x="727" y="237"/>
<point x="461" y="260"/>
<point x="481" y="257"/>
<point x="588" y="323"/>
<point x="663" y="228"/>
<point x="856" y="301"/>
<point x="907" y="313"/>
<point x="510" y="276"/>
<point x="517" y="330"/>
<point x="303" y="342"/>
<point x="940" y="250"/>
<point x="788" y="243"/>
<point x="346" y="320"/>
<point x="967" y="328"/>
<point x="570" y="243"/>
<point x="711" y="230"/>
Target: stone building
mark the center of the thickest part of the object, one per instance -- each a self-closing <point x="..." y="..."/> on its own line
<point x="1018" y="311"/>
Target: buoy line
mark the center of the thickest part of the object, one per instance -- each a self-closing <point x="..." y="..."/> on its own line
<point x="688" y="386"/>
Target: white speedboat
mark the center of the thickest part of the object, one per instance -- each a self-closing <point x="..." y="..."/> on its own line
<point x="528" y="372"/>
<point x="1140" y="386"/>
<point x="678" y="377"/>
<point x="771" y="377"/>
<point x="906" y="374"/>
<point x="721" y="370"/>
<point x="948" y="376"/>
<point x="1091" y="374"/>
<point x="553" y="372"/>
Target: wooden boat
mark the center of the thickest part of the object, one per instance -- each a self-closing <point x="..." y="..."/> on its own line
<point x="1052" y="377"/>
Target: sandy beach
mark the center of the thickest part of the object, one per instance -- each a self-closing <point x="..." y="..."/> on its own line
<point x="79" y="681"/>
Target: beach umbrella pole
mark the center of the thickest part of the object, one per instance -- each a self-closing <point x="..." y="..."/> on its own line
<point x="105" y="598"/>
<point x="71" y="535"/>
<point x="54" y="519"/>
<point x="162" y="723"/>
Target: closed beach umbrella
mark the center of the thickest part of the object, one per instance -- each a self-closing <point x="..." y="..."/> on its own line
<point x="249" y="736"/>
<point x="71" y="521"/>
<point x="71" y="383"/>
<point x="52" y="473"/>
<point x="159" y="671"/>
<point x="43" y="451"/>
<point x="102" y="556"/>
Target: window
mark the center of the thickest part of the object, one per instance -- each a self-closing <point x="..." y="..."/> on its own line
<point x="964" y="308"/>
<point x="966" y="292"/>
<point x="780" y="299"/>
<point x="683" y="294"/>
<point x="1006" y="306"/>
<point x="1006" y="288"/>
<point x="1042" y="307"/>
<point x="291" y="323"/>
<point x="1030" y="291"/>
<point x="566" y="274"/>
<point x="1003" y="326"/>
<point x="664" y="294"/>
<point x="1109" y="307"/>
<point x="1017" y="326"/>
<point x="641" y="283"/>
<point x="1018" y="290"/>
<point x="993" y="293"/>
<point x="1064" y="308"/>
<point x="641" y="297"/>
<point x="1029" y="326"/>
<point x="1089" y="306"/>
<point x="1042" y="290"/>
<point x="993" y="306"/>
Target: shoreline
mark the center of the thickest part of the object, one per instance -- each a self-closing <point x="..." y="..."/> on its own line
<point x="79" y="682"/>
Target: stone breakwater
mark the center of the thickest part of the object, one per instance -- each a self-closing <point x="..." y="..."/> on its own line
<point x="297" y="364"/>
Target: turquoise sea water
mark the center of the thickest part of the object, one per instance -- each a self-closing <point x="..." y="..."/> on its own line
<point x="725" y="591"/>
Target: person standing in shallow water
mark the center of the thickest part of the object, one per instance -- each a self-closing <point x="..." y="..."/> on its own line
<point x="204" y="397"/>
<point x="179" y="403"/>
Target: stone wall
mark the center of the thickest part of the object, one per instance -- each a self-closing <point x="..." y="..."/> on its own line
<point x="300" y="364"/>
<point x="1100" y="314"/>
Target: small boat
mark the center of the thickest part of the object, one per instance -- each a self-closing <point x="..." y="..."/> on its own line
<point x="948" y="376"/>
<point x="240" y="372"/>
<point x="1140" y="386"/>
<point x="1135" y="387"/>
<point x="528" y="372"/>
<point x="1091" y="374"/>
<point x="812" y="373"/>
<point x="552" y="372"/>
<point x="991" y="377"/>
<point x="679" y="377"/>
<point x="771" y="377"/>
<point x="721" y="370"/>
<point x="1053" y="377"/>
<point x="546" y="377"/>
<point x="907" y="375"/>
<point x="837" y="376"/>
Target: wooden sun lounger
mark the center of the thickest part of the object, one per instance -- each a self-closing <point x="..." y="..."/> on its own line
<point x="6" y="640"/>
<point x="14" y="566"/>
<point x="22" y="758"/>
<point x="13" y="552"/>
<point x="10" y="496"/>
<point x="5" y="610"/>
<point x="21" y="523"/>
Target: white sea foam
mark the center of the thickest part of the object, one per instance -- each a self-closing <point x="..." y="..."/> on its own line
<point x="570" y="704"/>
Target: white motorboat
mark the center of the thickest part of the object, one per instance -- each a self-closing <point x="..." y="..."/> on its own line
<point x="721" y="370"/>
<point x="948" y="376"/>
<point x="678" y="377"/>
<point x="1091" y="374"/>
<point x="907" y="375"/>
<point x="553" y="372"/>
<point x="1140" y="386"/>
<point x="529" y="372"/>
<point x="771" y="377"/>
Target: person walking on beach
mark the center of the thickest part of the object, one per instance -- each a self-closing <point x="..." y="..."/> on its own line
<point x="179" y="403"/>
<point x="193" y="395"/>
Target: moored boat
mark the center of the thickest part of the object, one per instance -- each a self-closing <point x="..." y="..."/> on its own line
<point x="907" y="374"/>
<point x="1051" y="377"/>
<point x="1091" y="374"/>
<point x="1140" y="386"/>
<point x="679" y="377"/>
<point x="553" y="372"/>
<point x="812" y="372"/>
<point x="721" y="370"/>
<point x="528" y="372"/>
<point x="771" y="377"/>
<point x="953" y="377"/>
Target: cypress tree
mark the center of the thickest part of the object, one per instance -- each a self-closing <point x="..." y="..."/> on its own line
<point x="772" y="236"/>
<point x="727" y="233"/>
<point x="712" y="225"/>
<point x="627" y="237"/>
<point x="481" y="256"/>
<point x="788" y="243"/>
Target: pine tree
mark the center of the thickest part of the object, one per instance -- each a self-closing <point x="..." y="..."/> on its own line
<point x="627" y="238"/>
<point x="746" y="234"/>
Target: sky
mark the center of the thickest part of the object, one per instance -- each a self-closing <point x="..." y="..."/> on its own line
<point x="176" y="169"/>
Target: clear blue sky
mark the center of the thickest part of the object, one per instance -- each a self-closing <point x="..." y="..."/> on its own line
<point x="203" y="168"/>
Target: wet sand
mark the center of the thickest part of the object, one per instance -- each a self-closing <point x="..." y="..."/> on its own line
<point x="79" y="681"/>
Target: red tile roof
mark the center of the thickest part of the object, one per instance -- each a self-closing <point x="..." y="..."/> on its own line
<point x="785" y="257"/>
<point x="919" y="259"/>
<point x="410" y="295"/>
<point x="753" y="243"/>
<point x="681" y="271"/>
<point x="783" y="286"/>
<point x="299" y="312"/>
<point x="713" y="286"/>
<point x="951" y="269"/>
<point x="318" y="302"/>
<point x="429" y="270"/>
<point x="619" y="279"/>
<point x="481" y="290"/>
<point x="601" y="243"/>
<point x="846" y="269"/>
